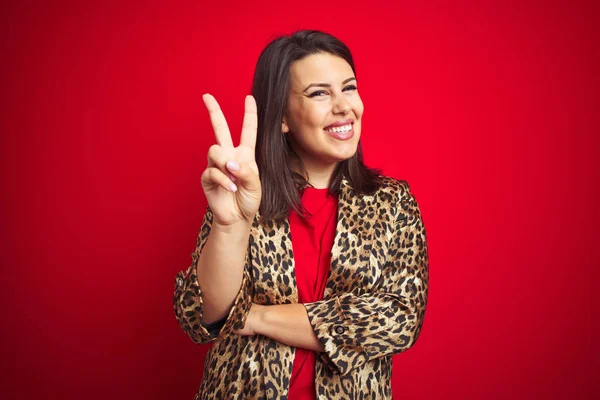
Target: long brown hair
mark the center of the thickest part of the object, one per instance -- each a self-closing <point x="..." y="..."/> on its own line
<point x="271" y="86"/>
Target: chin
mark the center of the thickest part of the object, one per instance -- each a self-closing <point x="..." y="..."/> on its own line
<point x="344" y="155"/>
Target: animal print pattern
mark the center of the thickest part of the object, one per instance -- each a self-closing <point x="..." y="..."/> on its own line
<point x="373" y="306"/>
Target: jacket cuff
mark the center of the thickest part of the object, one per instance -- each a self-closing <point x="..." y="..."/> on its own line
<point x="189" y="307"/>
<point x="343" y="336"/>
<point x="215" y="327"/>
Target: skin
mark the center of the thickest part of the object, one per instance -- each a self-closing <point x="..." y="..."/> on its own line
<point x="309" y="112"/>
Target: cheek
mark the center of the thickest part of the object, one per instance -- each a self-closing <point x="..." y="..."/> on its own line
<point x="311" y="118"/>
<point x="358" y="107"/>
<point x="318" y="116"/>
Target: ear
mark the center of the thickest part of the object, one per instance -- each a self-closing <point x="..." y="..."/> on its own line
<point x="284" y="126"/>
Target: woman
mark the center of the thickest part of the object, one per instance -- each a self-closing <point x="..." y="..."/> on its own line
<point x="311" y="275"/>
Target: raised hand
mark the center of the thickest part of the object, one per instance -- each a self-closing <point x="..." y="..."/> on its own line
<point x="231" y="182"/>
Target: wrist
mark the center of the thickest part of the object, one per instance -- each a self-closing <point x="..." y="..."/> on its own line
<point x="256" y="318"/>
<point x="240" y="227"/>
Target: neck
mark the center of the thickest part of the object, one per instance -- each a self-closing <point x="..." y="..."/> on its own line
<point x="317" y="173"/>
<point x="320" y="178"/>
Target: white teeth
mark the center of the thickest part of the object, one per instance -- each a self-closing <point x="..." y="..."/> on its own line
<point x="341" y="129"/>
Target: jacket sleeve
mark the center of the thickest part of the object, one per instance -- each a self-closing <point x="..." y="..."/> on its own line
<point x="187" y="298"/>
<point x="357" y="328"/>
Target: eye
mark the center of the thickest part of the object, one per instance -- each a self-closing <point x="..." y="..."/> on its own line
<point x="350" y="87"/>
<point x="317" y="93"/>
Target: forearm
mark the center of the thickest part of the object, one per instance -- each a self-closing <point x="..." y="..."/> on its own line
<point x="220" y="268"/>
<point x="287" y="324"/>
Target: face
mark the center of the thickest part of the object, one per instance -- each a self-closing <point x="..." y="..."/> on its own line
<point x="324" y="110"/>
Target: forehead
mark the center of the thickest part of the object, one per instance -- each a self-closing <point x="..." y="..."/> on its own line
<point x="320" y="68"/>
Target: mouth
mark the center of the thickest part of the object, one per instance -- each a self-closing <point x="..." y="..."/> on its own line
<point x="340" y="128"/>
<point x="343" y="132"/>
<point x="345" y="123"/>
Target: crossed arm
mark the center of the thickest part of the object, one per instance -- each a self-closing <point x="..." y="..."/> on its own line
<point x="285" y="323"/>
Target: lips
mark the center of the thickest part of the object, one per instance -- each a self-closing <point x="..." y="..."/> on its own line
<point x="339" y="123"/>
<point x="341" y="135"/>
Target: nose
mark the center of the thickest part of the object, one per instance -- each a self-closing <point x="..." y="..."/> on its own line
<point x="341" y="105"/>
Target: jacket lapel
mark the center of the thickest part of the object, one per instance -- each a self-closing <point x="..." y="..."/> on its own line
<point x="354" y="261"/>
<point x="352" y="258"/>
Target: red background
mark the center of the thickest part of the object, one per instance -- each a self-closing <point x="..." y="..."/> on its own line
<point x="489" y="110"/>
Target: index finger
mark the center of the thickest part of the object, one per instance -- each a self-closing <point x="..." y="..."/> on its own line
<point x="218" y="121"/>
<point x="250" y="124"/>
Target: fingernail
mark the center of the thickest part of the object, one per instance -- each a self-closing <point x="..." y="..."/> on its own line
<point x="232" y="187"/>
<point x="232" y="165"/>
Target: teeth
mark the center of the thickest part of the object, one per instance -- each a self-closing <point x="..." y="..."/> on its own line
<point x="341" y="129"/>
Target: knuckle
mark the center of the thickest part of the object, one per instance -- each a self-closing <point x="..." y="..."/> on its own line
<point x="213" y="150"/>
<point x="218" y="125"/>
<point x="215" y="174"/>
<point x="215" y="153"/>
<point x="209" y="174"/>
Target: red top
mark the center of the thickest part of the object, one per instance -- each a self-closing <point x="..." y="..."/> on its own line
<point x="312" y="240"/>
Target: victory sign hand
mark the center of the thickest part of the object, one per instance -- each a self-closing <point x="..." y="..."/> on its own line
<point x="231" y="182"/>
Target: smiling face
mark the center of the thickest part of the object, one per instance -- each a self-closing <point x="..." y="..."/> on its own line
<point x="324" y="112"/>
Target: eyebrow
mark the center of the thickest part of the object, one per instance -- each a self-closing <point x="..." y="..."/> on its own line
<point x="327" y="84"/>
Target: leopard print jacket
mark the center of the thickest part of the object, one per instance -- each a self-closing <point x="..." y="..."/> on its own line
<point x="373" y="306"/>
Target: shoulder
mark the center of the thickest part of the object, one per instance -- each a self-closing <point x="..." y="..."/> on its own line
<point x="398" y="193"/>
<point x="393" y="186"/>
<point x="397" y="189"/>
